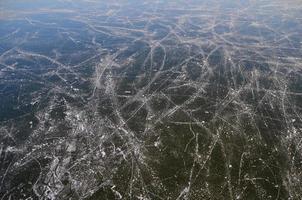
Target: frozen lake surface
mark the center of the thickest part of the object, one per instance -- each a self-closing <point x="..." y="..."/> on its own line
<point x="143" y="100"/>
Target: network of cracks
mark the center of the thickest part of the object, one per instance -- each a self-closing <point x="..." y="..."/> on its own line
<point x="151" y="100"/>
